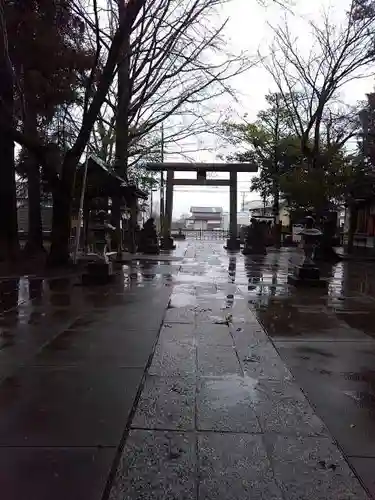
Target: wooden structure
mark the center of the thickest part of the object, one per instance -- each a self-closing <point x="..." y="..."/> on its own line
<point x="103" y="184"/>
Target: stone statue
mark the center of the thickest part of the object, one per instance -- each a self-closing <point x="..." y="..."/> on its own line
<point x="99" y="228"/>
<point x="255" y="241"/>
<point x="148" y="238"/>
<point x="310" y="237"/>
<point x="308" y="273"/>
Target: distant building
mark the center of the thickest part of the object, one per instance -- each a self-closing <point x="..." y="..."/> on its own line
<point x="243" y="219"/>
<point x="257" y="208"/>
<point x="205" y="218"/>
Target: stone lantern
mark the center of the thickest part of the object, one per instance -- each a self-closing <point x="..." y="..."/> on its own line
<point x="308" y="273"/>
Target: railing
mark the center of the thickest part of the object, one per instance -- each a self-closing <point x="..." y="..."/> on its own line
<point x="206" y="234"/>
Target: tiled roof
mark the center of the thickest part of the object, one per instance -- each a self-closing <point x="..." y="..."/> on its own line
<point x="206" y="210"/>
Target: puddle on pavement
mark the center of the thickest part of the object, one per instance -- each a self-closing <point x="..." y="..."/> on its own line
<point x="181" y="299"/>
<point x="230" y="390"/>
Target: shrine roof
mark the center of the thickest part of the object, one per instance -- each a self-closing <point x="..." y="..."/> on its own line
<point x="102" y="180"/>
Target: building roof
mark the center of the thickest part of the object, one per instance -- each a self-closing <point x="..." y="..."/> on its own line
<point x="103" y="181"/>
<point x="206" y="210"/>
<point x="259" y="205"/>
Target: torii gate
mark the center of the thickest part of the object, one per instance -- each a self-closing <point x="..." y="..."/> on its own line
<point x="201" y="180"/>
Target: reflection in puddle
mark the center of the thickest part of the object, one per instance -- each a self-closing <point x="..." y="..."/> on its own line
<point x="181" y="299"/>
<point x="230" y="390"/>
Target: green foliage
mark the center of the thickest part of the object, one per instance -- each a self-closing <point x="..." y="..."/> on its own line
<point x="271" y="144"/>
<point x="321" y="188"/>
<point x="46" y="46"/>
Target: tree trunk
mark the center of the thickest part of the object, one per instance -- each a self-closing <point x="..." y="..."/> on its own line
<point x="276" y="214"/>
<point x="115" y="221"/>
<point x="86" y="222"/>
<point x="9" y="243"/>
<point x="133" y="223"/>
<point x="353" y="215"/>
<point x="61" y="214"/>
<point x="122" y="126"/>
<point x="34" y="243"/>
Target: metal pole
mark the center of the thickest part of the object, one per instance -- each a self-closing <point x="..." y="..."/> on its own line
<point x="80" y="211"/>
<point x="162" y="182"/>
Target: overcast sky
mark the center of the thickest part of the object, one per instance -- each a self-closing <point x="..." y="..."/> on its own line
<point x="248" y="29"/>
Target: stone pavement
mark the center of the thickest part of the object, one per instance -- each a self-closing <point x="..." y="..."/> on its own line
<point x="327" y="338"/>
<point x="105" y="393"/>
<point x="72" y="359"/>
<point x="220" y="415"/>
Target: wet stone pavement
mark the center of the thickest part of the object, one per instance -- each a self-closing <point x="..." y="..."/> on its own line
<point x="201" y="378"/>
<point x="72" y="360"/>
<point x="220" y="414"/>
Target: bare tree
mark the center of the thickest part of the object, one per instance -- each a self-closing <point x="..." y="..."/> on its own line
<point x="311" y="83"/>
<point x="9" y="244"/>
<point x="178" y="67"/>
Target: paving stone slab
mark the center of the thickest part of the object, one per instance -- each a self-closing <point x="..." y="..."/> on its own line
<point x="156" y="465"/>
<point x="218" y="317"/>
<point x="345" y="402"/>
<point x="312" y="467"/>
<point x="281" y="407"/>
<point x="248" y="334"/>
<point x="214" y="334"/>
<point x="180" y="315"/>
<point x="173" y="359"/>
<point x="67" y="407"/>
<point x="117" y="347"/>
<point x="181" y="333"/>
<point x="166" y="403"/>
<point x="364" y="468"/>
<point x="252" y="350"/>
<point x="274" y="390"/>
<point x="288" y="416"/>
<point x="217" y="360"/>
<point x="235" y="467"/>
<point x="225" y="404"/>
<point x="58" y="473"/>
<point x="262" y="361"/>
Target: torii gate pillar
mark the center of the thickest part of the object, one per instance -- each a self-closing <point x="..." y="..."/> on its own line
<point x="233" y="243"/>
<point x="167" y="240"/>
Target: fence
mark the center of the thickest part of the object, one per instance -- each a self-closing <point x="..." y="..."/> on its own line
<point x="206" y="234"/>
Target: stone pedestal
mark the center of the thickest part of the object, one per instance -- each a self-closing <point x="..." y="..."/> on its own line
<point x="233" y="244"/>
<point x="148" y="239"/>
<point x="307" y="275"/>
<point x="255" y="240"/>
<point x="167" y="243"/>
<point x="179" y="236"/>
<point x="254" y="249"/>
<point x="98" y="273"/>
